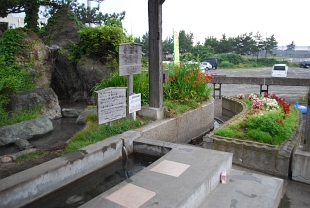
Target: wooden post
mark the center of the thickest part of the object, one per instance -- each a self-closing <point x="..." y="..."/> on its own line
<point x="155" y="53"/>
<point x="307" y="132"/>
<point x="130" y="92"/>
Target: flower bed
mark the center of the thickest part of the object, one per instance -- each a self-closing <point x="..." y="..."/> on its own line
<point x="273" y="159"/>
<point x="269" y="119"/>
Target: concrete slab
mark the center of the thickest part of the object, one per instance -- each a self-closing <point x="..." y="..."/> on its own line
<point x="244" y="189"/>
<point x="199" y="173"/>
<point x="301" y="166"/>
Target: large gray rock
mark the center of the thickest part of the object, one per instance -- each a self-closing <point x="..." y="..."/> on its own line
<point x="43" y="97"/>
<point x="25" y="130"/>
<point x="38" y="55"/>
<point x="71" y="113"/>
<point x="23" y="144"/>
<point x="91" y="73"/>
<point x="80" y="119"/>
<point x="66" y="81"/>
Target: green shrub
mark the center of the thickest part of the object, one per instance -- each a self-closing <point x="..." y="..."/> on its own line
<point x="13" y="76"/>
<point x="102" y="42"/>
<point x="259" y="136"/>
<point x="226" y="64"/>
<point x="187" y="84"/>
<point x="224" y="132"/>
<point x="233" y="58"/>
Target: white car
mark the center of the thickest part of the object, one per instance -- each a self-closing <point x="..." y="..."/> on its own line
<point x="279" y="70"/>
<point x="205" y="66"/>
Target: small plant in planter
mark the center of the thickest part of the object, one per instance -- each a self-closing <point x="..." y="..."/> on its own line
<point x="270" y="119"/>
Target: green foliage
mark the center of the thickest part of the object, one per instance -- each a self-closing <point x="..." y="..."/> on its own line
<point x="73" y="17"/>
<point x="13" y="77"/>
<point x="8" y="119"/>
<point x="102" y="42"/>
<point x="31" y="155"/>
<point x="174" y="108"/>
<point x="260" y="136"/>
<point x="9" y="45"/>
<point x="225" y="132"/>
<point x="140" y="84"/>
<point x="95" y="132"/>
<point x="186" y="83"/>
<point x="271" y="127"/>
<point x="263" y="61"/>
<point x="233" y="58"/>
<point x="226" y="64"/>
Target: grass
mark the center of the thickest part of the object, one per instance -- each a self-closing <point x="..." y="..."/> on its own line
<point x="21" y="116"/>
<point x="31" y="155"/>
<point x="94" y="132"/>
<point x="173" y="109"/>
<point x="271" y="127"/>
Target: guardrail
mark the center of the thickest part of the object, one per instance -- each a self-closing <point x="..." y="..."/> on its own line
<point x="218" y="80"/>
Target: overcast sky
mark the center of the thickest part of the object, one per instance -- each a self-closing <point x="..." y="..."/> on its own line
<point x="287" y="20"/>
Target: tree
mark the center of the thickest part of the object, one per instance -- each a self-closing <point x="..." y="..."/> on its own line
<point x="185" y="41"/>
<point x="244" y="43"/>
<point x="212" y="42"/>
<point x="270" y="44"/>
<point x="31" y="9"/>
<point x="291" y="46"/>
<point x="144" y="41"/>
<point x="259" y="44"/>
<point x="225" y="45"/>
<point x="167" y="46"/>
<point x="201" y="51"/>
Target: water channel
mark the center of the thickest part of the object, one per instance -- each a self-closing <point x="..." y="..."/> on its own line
<point x="95" y="183"/>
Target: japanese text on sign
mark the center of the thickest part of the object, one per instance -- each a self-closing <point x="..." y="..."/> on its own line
<point x="130" y="55"/>
<point x="134" y="103"/>
<point x="111" y="104"/>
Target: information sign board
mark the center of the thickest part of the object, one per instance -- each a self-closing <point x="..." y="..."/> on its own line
<point x="134" y="103"/>
<point x="111" y="104"/>
<point x="130" y="55"/>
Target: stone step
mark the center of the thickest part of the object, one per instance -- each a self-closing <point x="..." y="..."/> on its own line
<point x="181" y="178"/>
<point x="244" y="189"/>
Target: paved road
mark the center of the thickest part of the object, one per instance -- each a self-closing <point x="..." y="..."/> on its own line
<point x="291" y="93"/>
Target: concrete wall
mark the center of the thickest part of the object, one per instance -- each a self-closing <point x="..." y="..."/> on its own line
<point x="301" y="166"/>
<point x="232" y="107"/>
<point x="270" y="159"/>
<point x="182" y="129"/>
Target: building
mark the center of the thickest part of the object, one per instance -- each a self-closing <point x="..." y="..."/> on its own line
<point x="15" y="21"/>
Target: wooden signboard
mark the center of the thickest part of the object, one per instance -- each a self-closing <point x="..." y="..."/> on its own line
<point x="111" y="104"/>
<point x="130" y="55"/>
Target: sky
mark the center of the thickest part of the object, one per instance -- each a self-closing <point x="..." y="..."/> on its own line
<point x="284" y="19"/>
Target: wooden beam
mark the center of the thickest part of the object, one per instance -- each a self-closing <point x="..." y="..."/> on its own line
<point x="155" y="53"/>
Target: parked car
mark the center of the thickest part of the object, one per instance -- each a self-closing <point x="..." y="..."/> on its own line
<point x="304" y="64"/>
<point x="279" y="70"/>
<point x="212" y="61"/>
<point x="205" y="66"/>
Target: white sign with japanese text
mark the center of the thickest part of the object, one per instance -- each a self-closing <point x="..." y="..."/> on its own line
<point x="111" y="104"/>
<point x="134" y="103"/>
<point x="130" y="55"/>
